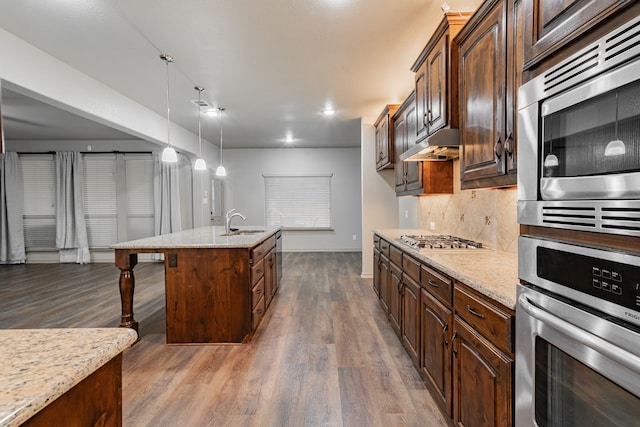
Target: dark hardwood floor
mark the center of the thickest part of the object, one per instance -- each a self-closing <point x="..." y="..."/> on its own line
<point x="324" y="355"/>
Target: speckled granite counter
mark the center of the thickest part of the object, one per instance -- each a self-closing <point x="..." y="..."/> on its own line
<point x="492" y="273"/>
<point x="39" y="365"/>
<point x="203" y="237"/>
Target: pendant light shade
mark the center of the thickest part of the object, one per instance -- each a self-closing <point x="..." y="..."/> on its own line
<point x="615" y="147"/>
<point x="221" y="171"/>
<point x="169" y="155"/>
<point x="200" y="164"/>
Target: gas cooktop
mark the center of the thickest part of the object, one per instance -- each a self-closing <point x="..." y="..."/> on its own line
<point x="438" y="241"/>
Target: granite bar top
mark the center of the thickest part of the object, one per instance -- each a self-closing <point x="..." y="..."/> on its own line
<point x="490" y="272"/>
<point x="203" y="237"/>
<point x="39" y="365"/>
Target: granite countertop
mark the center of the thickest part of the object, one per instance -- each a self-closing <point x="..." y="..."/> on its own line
<point x="203" y="237"/>
<point x="490" y="272"/>
<point x="39" y="365"/>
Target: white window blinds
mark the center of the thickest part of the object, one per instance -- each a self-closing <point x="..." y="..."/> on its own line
<point x="139" y="189"/>
<point x="38" y="201"/>
<point x="298" y="202"/>
<point x="100" y="203"/>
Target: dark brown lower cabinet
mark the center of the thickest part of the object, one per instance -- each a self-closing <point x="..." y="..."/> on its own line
<point x="482" y="380"/>
<point x="411" y="318"/>
<point x="377" y="266"/>
<point x="459" y="339"/>
<point x="385" y="285"/>
<point x="436" y="326"/>
<point x="395" y="300"/>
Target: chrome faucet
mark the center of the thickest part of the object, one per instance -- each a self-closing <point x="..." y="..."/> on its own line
<point x="228" y="217"/>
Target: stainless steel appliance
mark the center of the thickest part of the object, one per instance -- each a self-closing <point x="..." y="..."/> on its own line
<point x="579" y="139"/>
<point x="577" y="335"/>
<point x="438" y="241"/>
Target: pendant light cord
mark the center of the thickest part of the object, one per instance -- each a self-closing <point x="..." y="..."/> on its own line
<point x="199" y="89"/>
<point x="168" y="108"/>
<point x="221" y="111"/>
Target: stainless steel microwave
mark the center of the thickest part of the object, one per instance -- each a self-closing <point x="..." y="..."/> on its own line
<point x="579" y="139"/>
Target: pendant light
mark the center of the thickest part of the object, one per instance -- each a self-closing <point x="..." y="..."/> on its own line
<point x="200" y="164"/>
<point x="615" y="147"/>
<point x="169" y="155"/>
<point x="221" y="171"/>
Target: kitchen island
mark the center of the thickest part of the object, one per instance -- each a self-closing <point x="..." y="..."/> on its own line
<point x="53" y="377"/>
<point x="217" y="284"/>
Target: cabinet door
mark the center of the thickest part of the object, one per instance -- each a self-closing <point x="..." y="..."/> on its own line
<point x="269" y="277"/>
<point x="482" y="381"/>
<point x="515" y="61"/>
<point x="400" y="146"/>
<point x="435" y="353"/>
<point x="554" y="23"/>
<point x="377" y="267"/>
<point x="437" y="86"/>
<point x="385" y="286"/>
<point x="482" y="97"/>
<point x="395" y="300"/>
<point x="382" y="144"/>
<point x="411" y="317"/>
<point x="413" y="171"/>
<point x="421" y="102"/>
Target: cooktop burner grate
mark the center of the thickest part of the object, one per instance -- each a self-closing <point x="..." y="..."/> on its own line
<point x="438" y="242"/>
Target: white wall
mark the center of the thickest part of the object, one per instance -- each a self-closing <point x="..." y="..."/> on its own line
<point x="379" y="202"/>
<point x="244" y="191"/>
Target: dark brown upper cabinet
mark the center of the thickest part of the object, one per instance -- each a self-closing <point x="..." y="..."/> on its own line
<point x="416" y="178"/>
<point x="384" y="137"/>
<point x="553" y="24"/>
<point x="436" y="78"/>
<point x="490" y="61"/>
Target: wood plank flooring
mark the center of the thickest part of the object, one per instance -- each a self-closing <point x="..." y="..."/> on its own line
<point x="324" y="355"/>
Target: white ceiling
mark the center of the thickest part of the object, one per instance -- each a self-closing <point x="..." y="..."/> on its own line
<point x="273" y="64"/>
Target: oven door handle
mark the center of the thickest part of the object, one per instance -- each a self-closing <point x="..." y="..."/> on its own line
<point x="617" y="354"/>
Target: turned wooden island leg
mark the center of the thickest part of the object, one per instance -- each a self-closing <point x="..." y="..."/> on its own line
<point x="125" y="261"/>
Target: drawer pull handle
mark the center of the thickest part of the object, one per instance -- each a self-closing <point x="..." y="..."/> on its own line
<point x="259" y="291"/>
<point x="434" y="284"/>
<point x="258" y="271"/>
<point x="453" y="344"/>
<point x="475" y="313"/>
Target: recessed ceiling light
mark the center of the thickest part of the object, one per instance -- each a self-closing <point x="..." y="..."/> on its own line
<point x="211" y="112"/>
<point x="328" y="112"/>
<point x="289" y="139"/>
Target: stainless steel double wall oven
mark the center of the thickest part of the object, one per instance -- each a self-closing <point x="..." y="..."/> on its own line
<point x="578" y="309"/>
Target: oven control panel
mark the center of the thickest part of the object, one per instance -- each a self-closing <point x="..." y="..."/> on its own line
<point x="604" y="279"/>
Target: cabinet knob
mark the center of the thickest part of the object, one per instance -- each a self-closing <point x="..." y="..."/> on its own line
<point x="508" y="145"/>
<point x="497" y="148"/>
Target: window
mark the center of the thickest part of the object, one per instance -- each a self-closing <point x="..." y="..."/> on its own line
<point x="38" y="201"/>
<point x="117" y="193"/>
<point x="298" y="202"/>
<point x="100" y="202"/>
<point x="139" y="189"/>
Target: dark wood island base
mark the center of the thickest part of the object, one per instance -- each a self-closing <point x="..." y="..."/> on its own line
<point x="216" y="291"/>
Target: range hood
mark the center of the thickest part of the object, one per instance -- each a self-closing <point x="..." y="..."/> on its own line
<point x="442" y="145"/>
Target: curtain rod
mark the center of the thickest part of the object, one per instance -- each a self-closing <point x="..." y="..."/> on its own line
<point x="87" y="152"/>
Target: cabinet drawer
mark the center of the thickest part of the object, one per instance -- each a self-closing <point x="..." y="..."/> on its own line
<point x="258" y="312"/>
<point x="376" y="241"/>
<point x="384" y="247"/>
<point x="396" y="256"/>
<point x="262" y="249"/>
<point x="257" y="292"/>
<point x="257" y="271"/>
<point x="411" y="267"/>
<point x="437" y="284"/>
<point x="490" y="321"/>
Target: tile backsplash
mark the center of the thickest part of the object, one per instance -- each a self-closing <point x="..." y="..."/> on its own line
<point x="488" y="216"/>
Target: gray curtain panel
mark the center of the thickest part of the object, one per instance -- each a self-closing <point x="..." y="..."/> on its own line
<point x="71" y="229"/>
<point x="166" y="196"/>
<point x="11" y="227"/>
